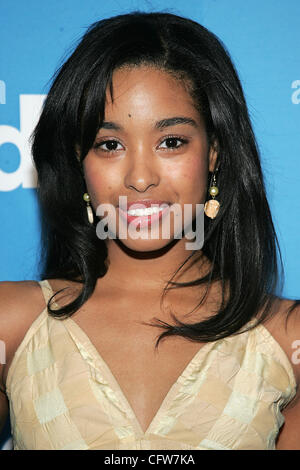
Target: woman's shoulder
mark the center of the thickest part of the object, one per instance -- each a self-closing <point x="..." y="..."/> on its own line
<point x="21" y="302"/>
<point x="284" y="326"/>
<point x="18" y="301"/>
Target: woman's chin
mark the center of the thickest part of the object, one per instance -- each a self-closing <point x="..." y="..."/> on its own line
<point x="146" y="245"/>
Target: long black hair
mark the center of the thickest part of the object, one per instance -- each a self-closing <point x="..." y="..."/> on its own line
<point x="240" y="243"/>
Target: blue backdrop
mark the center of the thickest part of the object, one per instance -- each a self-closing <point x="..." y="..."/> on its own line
<point x="262" y="37"/>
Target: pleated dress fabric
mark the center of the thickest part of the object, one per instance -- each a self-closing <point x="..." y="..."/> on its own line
<point x="63" y="396"/>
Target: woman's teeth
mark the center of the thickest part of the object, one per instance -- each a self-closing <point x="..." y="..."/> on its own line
<point x="144" y="212"/>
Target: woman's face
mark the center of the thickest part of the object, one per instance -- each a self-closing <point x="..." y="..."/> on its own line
<point x="152" y="147"/>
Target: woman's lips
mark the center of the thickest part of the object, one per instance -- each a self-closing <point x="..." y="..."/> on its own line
<point x="144" y="220"/>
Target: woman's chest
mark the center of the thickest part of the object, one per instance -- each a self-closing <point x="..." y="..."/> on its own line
<point x="143" y="373"/>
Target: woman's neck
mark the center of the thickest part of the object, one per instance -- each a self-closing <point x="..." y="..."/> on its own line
<point x="151" y="270"/>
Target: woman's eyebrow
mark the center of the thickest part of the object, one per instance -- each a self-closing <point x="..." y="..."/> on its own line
<point x="174" y="121"/>
<point x="110" y="125"/>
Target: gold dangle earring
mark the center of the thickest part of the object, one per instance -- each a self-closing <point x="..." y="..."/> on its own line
<point x="87" y="199"/>
<point x="211" y="207"/>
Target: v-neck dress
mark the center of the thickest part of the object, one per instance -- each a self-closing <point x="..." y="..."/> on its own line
<point x="63" y="396"/>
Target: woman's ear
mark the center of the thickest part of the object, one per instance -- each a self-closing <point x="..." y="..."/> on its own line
<point x="213" y="155"/>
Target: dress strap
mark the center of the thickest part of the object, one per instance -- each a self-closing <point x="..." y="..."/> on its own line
<point x="46" y="289"/>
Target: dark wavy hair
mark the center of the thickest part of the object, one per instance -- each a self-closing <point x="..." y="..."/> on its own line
<point x="240" y="243"/>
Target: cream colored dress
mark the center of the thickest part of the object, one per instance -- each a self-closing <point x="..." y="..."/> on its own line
<point x="63" y="395"/>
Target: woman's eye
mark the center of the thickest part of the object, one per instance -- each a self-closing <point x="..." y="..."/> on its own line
<point x="109" y="145"/>
<point x="173" y="143"/>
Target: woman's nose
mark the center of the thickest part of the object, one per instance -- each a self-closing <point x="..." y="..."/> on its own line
<point x="142" y="172"/>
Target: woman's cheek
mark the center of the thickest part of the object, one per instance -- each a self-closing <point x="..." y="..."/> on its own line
<point x="94" y="191"/>
<point x="190" y="178"/>
<point x="99" y="182"/>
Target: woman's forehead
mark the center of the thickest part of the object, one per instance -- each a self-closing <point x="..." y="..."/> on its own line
<point x="147" y="89"/>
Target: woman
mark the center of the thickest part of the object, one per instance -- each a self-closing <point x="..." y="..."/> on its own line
<point x="150" y="342"/>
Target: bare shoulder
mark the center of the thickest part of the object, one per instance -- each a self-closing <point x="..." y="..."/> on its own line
<point x="284" y="326"/>
<point x="289" y="322"/>
<point x="20" y="304"/>
<point x="17" y="299"/>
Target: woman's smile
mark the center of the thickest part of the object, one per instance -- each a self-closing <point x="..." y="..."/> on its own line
<point x="143" y="216"/>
